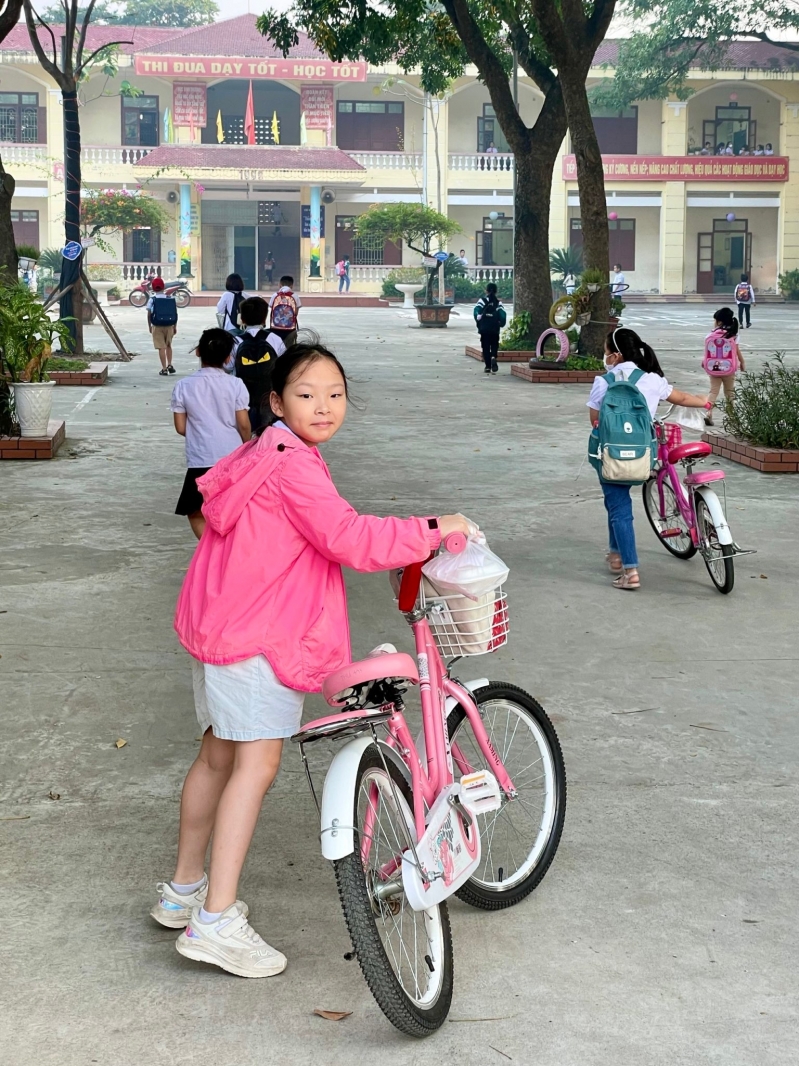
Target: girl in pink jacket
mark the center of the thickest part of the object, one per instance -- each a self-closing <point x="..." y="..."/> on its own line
<point x="263" y="612"/>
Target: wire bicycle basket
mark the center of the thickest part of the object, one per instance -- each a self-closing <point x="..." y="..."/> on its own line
<point x="462" y="626"/>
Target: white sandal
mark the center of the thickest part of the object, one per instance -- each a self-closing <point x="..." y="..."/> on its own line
<point x="610" y="557"/>
<point x="628" y="579"/>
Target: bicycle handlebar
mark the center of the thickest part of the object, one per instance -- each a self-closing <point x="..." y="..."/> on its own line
<point x="455" y="543"/>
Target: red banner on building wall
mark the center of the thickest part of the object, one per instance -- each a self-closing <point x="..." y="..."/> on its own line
<point x="686" y="168"/>
<point x="231" y="67"/>
<point x="189" y="104"/>
<point x="317" y="103"/>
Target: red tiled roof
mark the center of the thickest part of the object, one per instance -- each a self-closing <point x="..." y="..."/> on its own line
<point x="740" y="55"/>
<point x="249" y="157"/>
<point x="233" y="37"/>
<point x="144" y="38"/>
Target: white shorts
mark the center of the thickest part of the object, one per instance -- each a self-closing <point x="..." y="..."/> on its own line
<point x="245" y="700"/>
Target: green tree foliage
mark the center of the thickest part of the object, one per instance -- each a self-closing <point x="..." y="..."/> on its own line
<point x="143" y="13"/>
<point x="654" y="63"/>
<point x="563" y="261"/>
<point x="418" y="226"/>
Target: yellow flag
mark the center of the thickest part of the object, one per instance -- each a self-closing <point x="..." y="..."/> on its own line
<point x="275" y="128"/>
<point x="220" y="131"/>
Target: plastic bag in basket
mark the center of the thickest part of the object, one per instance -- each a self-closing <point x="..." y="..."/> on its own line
<point x="462" y="625"/>
<point x="690" y="418"/>
<point x="473" y="573"/>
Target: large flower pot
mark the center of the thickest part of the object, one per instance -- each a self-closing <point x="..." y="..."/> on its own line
<point x="408" y="291"/>
<point x="433" y="316"/>
<point x="34" y="402"/>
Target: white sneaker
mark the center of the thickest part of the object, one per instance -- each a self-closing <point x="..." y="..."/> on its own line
<point x="231" y="943"/>
<point x="173" y="909"/>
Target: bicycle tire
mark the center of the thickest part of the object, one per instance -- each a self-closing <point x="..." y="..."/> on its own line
<point x="652" y="508"/>
<point x="361" y="910"/>
<point x="477" y="891"/>
<point x="723" y="552"/>
<point x="569" y="316"/>
<point x="137" y="298"/>
<point x="182" y="298"/>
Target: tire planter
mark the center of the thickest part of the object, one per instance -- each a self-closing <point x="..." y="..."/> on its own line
<point x="563" y="341"/>
<point x="33" y="401"/>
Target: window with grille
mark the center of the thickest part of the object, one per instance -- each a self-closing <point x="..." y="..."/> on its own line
<point x="489" y="131"/>
<point x="370" y="125"/>
<point x="140" y="120"/>
<point x="19" y="118"/>
<point x="142" y="246"/>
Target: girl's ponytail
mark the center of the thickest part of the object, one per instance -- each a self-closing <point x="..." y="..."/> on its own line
<point x="633" y="350"/>
<point x="727" y="321"/>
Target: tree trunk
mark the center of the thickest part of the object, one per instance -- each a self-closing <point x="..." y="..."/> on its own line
<point x="593" y="205"/>
<point x="8" y="245"/>
<point x="71" y="306"/>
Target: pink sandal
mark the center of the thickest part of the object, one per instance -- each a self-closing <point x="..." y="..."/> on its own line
<point x="610" y="559"/>
<point x="628" y="579"/>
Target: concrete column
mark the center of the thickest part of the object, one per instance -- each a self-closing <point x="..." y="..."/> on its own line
<point x="788" y="226"/>
<point x="559" y="205"/>
<point x="672" y="211"/>
<point x="185" y="229"/>
<point x="316" y="253"/>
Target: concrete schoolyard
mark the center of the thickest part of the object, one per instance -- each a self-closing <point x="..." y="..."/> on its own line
<point x="665" y="933"/>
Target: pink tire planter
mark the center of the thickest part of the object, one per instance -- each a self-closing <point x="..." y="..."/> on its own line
<point x="33" y="401"/>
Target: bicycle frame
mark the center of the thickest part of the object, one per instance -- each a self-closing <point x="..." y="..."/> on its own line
<point x="684" y="495"/>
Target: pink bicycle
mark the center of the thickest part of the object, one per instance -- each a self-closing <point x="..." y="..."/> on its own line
<point x="691" y="519"/>
<point x="473" y="806"/>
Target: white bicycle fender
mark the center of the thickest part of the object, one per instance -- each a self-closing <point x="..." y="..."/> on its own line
<point x="338" y="797"/>
<point x="470" y="686"/>
<point x="713" y="504"/>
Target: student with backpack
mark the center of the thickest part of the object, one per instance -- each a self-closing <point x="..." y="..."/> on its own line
<point x="210" y="410"/>
<point x="162" y="320"/>
<point x="490" y="316"/>
<point x="745" y="298"/>
<point x="229" y="303"/>
<point x="256" y="353"/>
<point x="343" y="273"/>
<point x="622" y="446"/>
<point x="723" y="358"/>
<point x="284" y="310"/>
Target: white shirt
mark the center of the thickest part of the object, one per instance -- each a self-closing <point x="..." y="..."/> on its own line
<point x="768" y="151"/>
<point x="155" y="296"/>
<point x="210" y="399"/>
<point x="225" y="306"/>
<point x="653" y="386"/>
<point x="272" y="338"/>
<point x="618" y="279"/>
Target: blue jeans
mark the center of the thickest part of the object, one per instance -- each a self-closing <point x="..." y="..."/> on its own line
<point x="621" y="536"/>
<point x="343" y="281"/>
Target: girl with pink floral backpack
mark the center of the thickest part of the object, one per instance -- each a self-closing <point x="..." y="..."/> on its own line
<point x="722" y="358"/>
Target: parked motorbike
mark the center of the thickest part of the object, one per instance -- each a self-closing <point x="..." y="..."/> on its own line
<point x="179" y="289"/>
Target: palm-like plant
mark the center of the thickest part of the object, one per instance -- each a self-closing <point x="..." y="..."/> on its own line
<point x="564" y="261"/>
<point x="26" y="334"/>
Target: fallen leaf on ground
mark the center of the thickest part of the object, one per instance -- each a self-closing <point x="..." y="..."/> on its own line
<point x="764" y="576"/>
<point x="120" y="743"/>
<point x="22" y="817"/>
<point x="53" y="795"/>
<point x="332" y="1015"/>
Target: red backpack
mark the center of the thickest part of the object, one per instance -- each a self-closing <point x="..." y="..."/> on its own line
<point x="284" y="311"/>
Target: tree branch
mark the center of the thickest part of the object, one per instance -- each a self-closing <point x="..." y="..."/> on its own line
<point x="84" y="28"/>
<point x="9" y="17"/>
<point x="96" y="52"/>
<point x="599" y="21"/>
<point x="789" y="46"/>
<point x="491" y="71"/>
<point x="50" y="65"/>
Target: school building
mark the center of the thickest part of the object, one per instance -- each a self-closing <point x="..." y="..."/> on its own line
<point x="262" y="159"/>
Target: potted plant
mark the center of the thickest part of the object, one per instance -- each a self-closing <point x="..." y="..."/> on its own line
<point x="27" y="257"/>
<point x="26" y="337"/>
<point x="592" y="279"/>
<point x="114" y="294"/>
<point x="418" y="226"/>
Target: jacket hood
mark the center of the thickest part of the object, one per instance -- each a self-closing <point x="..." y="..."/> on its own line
<point x="229" y="486"/>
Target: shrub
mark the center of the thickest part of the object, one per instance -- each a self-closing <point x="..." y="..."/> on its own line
<point x="516" y="336"/>
<point x="766" y="407"/>
<point x="104" y="272"/>
<point x="30" y="251"/>
<point x="115" y="293"/>
<point x="403" y="275"/>
<point x="789" y="285"/>
<point x="51" y="259"/>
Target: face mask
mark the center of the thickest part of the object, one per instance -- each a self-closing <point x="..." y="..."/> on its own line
<point x="608" y="366"/>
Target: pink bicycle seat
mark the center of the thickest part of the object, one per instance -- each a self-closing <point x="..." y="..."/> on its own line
<point x="696" y="450"/>
<point x="336" y="687"/>
<point x="704" y="477"/>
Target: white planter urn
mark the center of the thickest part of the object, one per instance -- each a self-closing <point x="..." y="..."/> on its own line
<point x="34" y="403"/>
<point x="408" y="291"/>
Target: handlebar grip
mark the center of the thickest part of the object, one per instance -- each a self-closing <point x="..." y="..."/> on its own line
<point x="455" y="543"/>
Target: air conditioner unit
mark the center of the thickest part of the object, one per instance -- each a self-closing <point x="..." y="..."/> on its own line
<point x="328" y="196"/>
<point x="172" y="197"/>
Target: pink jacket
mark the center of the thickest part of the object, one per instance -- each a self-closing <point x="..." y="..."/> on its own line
<point x="266" y="576"/>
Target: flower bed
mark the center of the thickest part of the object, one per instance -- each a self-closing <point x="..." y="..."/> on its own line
<point x="93" y="374"/>
<point x="554" y="377"/>
<point x="34" y="447"/>
<point x="767" y="460"/>
<point x="502" y="357"/>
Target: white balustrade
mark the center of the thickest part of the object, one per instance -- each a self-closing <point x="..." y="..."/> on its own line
<point x="121" y="155"/>
<point x="388" y="160"/>
<point x="368" y="273"/>
<point x="23" y="153"/>
<point x="489" y="273"/>
<point x="488" y="161"/>
<point x="136" y="272"/>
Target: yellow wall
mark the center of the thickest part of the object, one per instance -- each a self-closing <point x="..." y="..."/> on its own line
<point x="763" y="226"/>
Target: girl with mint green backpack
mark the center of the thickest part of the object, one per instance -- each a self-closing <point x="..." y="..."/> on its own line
<point x="628" y="359"/>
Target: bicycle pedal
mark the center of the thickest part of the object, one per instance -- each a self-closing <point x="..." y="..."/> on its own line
<point x="671" y="533"/>
<point x="480" y="792"/>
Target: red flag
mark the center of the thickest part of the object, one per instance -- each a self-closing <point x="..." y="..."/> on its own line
<point x="249" y="119"/>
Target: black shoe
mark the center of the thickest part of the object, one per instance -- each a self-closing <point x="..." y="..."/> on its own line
<point x="163" y="373"/>
<point x="494" y="367"/>
<point x="487" y="370"/>
<point x="171" y="370"/>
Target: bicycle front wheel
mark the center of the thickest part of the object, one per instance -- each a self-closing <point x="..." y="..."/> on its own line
<point x="405" y="955"/>
<point x="718" y="557"/>
<point x="672" y="530"/>
<point x="518" y="841"/>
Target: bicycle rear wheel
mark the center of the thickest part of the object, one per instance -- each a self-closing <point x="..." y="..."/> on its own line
<point x="669" y="520"/>
<point x="518" y="841"/>
<point x="405" y="955"/>
<point x="718" y="557"/>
